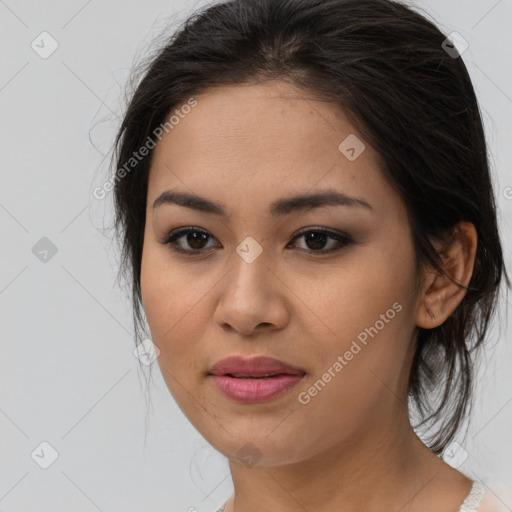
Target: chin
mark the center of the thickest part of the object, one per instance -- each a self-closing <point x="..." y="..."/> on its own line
<point x="258" y="450"/>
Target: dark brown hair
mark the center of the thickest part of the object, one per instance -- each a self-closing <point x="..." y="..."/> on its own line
<point x="386" y="66"/>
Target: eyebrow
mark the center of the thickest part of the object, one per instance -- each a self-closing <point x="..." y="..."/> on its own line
<point x="279" y="208"/>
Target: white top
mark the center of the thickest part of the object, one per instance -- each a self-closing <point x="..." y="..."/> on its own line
<point x="473" y="499"/>
<point x="470" y="504"/>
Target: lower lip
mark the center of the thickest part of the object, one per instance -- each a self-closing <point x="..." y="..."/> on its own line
<point x="255" y="390"/>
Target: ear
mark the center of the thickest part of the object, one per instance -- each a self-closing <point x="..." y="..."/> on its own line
<point x="440" y="296"/>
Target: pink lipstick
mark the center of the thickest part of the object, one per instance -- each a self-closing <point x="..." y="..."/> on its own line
<point x="256" y="379"/>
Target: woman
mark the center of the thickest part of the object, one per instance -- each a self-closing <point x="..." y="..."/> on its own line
<point x="306" y="212"/>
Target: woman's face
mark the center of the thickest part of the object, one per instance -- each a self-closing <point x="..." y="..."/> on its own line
<point x="253" y="286"/>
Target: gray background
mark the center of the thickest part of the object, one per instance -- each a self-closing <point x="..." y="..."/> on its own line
<point x="67" y="369"/>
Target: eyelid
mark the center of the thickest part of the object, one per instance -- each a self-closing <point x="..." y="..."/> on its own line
<point x="179" y="232"/>
<point x="343" y="238"/>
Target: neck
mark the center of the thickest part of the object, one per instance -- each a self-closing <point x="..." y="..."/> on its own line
<point x="386" y="467"/>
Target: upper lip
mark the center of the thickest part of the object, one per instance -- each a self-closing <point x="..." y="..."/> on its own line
<point x="253" y="366"/>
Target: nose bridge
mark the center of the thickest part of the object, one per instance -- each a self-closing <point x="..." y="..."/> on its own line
<point x="249" y="264"/>
<point x="250" y="250"/>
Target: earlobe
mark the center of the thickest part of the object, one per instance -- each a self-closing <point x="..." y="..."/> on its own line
<point x="442" y="292"/>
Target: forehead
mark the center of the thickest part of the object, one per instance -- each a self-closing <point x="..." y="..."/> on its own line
<point x="259" y="138"/>
<point x="238" y="122"/>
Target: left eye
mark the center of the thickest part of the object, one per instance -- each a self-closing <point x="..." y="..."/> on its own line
<point x="315" y="240"/>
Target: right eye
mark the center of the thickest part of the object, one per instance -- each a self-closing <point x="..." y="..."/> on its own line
<point x="194" y="237"/>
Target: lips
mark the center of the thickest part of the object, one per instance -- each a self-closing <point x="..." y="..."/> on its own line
<point x="255" y="367"/>
<point x="254" y="380"/>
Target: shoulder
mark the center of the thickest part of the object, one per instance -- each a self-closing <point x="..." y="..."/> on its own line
<point x="497" y="498"/>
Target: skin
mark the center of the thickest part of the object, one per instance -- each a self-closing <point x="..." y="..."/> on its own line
<point x="351" y="447"/>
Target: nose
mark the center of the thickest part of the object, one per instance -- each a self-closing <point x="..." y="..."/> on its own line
<point x="252" y="297"/>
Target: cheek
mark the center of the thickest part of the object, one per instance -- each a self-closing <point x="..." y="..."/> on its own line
<point x="159" y="297"/>
<point x="175" y="309"/>
<point x="352" y="297"/>
<point x="168" y="315"/>
<point x="367" y="312"/>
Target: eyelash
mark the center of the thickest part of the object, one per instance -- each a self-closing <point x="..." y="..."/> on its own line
<point x="171" y="239"/>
